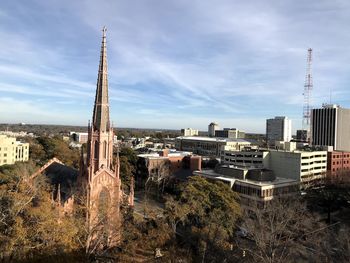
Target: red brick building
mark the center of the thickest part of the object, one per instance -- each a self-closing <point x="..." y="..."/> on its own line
<point x="176" y="165"/>
<point x="338" y="162"/>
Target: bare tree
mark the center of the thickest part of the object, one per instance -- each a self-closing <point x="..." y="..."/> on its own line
<point x="282" y="230"/>
<point x="330" y="193"/>
<point x="157" y="178"/>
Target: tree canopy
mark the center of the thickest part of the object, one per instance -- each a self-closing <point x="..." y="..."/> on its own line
<point x="30" y="226"/>
<point x="205" y="215"/>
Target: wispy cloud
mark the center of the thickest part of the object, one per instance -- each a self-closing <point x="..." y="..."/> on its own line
<point x="185" y="62"/>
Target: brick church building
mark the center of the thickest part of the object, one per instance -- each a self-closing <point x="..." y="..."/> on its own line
<point x="97" y="180"/>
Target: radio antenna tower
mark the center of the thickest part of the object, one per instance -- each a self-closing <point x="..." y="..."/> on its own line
<point x="307" y="95"/>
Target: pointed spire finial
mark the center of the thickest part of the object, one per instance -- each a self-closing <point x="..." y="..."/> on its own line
<point x="100" y="118"/>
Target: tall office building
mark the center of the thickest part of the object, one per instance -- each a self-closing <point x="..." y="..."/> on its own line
<point x="278" y="129"/>
<point x="330" y="126"/>
<point x="212" y="127"/>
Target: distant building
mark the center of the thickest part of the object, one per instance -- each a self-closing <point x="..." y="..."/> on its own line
<point x="231" y="133"/>
<point x="338" y="162"/>
<point x="302" y="166"/>
<point x="166" y="163"/>
<point x="208" y="146"/>
<point x="16" y="134"/>
<point x="169" y="142"/>
<point x="246" y="158"/>
<point x="80" y="137"/>
<point x="212" y="127"/>
<point x="12" y="151"/>
<point x="302" y="135"/>
<point x="278" y="129"/>
<point x="252" y="184"/>
<point x="330" y="126"/>
<point x="286" y="146"/>
<point x="189" y="132"/>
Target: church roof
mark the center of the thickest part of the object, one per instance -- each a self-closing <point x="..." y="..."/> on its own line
<point x="61" y="176"/>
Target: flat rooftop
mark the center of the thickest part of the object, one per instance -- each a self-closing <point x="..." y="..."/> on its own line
<point x="277" y="182"/>
<point x="156" y="155"/>
<point x="211" y="139"/>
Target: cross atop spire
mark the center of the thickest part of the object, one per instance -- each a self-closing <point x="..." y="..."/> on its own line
<point x="100" y="120"/>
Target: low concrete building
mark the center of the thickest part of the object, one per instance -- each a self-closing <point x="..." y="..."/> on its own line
<point x="209" y="146"/>
<point x="12" y="151"/>
<point x="287" y="146"/>
<point x="252" y="184"/>
<point x="247" y="158"/>
<point x="302" y="166"/>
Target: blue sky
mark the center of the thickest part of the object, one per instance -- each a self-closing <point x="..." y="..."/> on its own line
<point x="172" y="63"/>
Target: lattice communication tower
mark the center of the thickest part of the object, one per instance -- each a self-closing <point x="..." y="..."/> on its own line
<point x="307" y="97"/>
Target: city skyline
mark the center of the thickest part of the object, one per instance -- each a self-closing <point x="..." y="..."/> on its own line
<point x="172" y="64"/>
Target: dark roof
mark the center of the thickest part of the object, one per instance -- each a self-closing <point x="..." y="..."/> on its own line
<point x="183" y="174"/>
<point x="65" y="176"/>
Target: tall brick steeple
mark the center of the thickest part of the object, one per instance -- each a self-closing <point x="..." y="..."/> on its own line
<point x="100" y="118"/>
<point x="100" y="151"/>
<point x="99" y="174"/>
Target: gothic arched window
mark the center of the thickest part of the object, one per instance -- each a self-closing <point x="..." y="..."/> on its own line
<point x="104" y="201"/>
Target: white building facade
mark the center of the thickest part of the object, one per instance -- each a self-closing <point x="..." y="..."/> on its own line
<point x="12" y="151"/>
<point x="252" y="158"/>
<point x="206" y="146"/>
<point x="189" y="132"/>
<point x="302" y="166"/>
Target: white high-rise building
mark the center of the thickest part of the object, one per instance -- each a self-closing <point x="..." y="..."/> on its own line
<point x="278" y="129"/>
<point x="212" y="127"/>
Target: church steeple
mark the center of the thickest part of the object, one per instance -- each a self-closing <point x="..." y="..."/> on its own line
<point x="100" y="142"/>
<point x="100" y="119"/>
<point x="99" y="175"/>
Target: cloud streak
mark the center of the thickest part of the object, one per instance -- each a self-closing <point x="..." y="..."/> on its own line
<point x="192" y="62"/>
